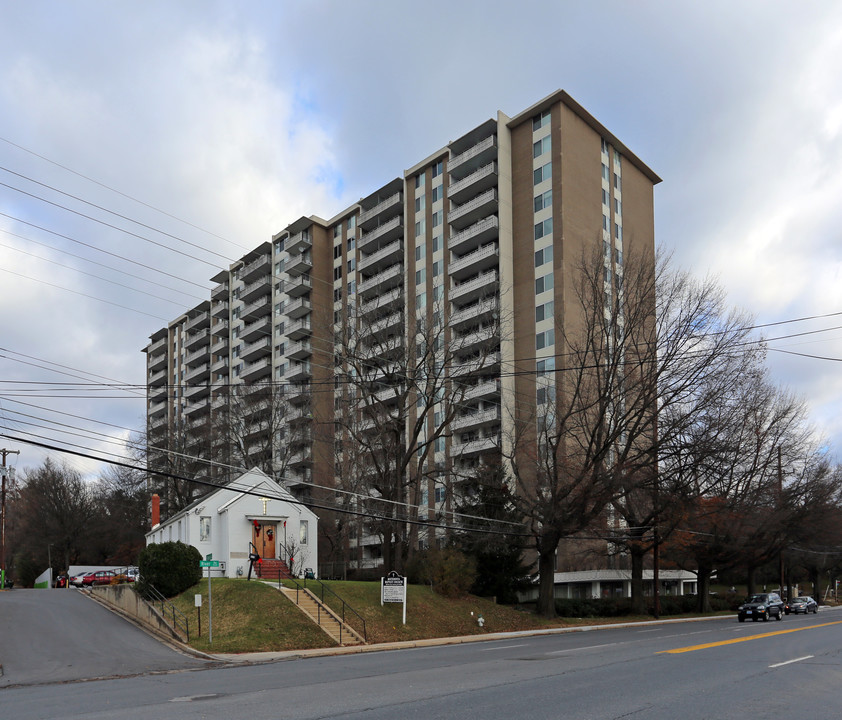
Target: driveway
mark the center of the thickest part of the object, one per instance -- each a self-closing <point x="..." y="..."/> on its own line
<point x="49" y="636"/>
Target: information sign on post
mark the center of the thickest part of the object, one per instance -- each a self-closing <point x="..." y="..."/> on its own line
<point x="393" y="590"/>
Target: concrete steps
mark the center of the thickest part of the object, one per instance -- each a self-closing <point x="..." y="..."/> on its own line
<point x="323" y="616"/>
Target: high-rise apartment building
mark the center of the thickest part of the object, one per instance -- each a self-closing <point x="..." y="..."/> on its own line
<point x="317" y="340"/>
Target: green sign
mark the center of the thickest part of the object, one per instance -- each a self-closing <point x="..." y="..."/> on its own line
<point x="209" y="556"/>
<point x="208" y="563"/>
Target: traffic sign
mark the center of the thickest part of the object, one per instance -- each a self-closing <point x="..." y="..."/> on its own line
<point x="209" y="563"/>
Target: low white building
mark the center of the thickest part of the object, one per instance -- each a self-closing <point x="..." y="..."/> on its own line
<point x="252" y="513"/>
<point x="614" y="583"/>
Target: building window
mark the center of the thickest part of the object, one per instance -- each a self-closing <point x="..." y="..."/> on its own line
<point x="419" y="180"/>
<point x="544" y="200"/>
<point x="437" y="242"/>
<point x="419" y="252"/>
<point x="420" y="276"/>
<point x="544" y="312"/>
<point x="604" y="146"/>
<point x="545" y="367"/>
<point x="303" y="532"/>
<point x="337" y="231"/>
<point x="352" y="265"/>
<point x="438" y="218"/>
<point x="438" y="293"/>
<point x="542" y="284"/>
<point x="204" y="529"/>
<point x="438" y="193"/>
<point x="420" y="203"/>
<point x="543" y="256"/>
<point x="541" y="396"/>
<point x="543" y="228"/>
<point x="420" y="228"/>
<point x="618" y="232"/>
<point x="544" y="339"/>
<point x="617" y="183"/>
<point x="352" y="222"/>
<point x="337" y="251"/>
<point x="437" y="268"/>
<point x="540" y="147"/>
<point x="545" y="172"/>
<point x="352" y="288"/>
<point x="605" y="175"/>
<point x="437" y="168"/>
<point x="337" y="273"/>
<point x="441" y="493"/>
<point x="541" y="120"/>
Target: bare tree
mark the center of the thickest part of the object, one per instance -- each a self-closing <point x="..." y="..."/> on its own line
<point x="401" y="391"/>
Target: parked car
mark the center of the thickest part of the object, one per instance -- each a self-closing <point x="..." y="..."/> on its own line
<point x="803" y="604"/>
<point x="761" y="606"/>
<point x="100" y="577"/>
<point x="77" y="580"/>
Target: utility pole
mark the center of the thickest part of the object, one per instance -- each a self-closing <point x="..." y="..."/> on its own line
<point x="4" y="453"/>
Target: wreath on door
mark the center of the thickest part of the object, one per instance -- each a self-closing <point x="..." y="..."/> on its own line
<point x="270" y="534"/>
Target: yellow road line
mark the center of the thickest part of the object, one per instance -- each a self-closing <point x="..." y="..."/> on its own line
<point x="691" y="648"/>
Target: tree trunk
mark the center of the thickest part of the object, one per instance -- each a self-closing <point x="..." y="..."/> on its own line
<point x="546" y="589"/>
<point x="704" y="589"/>
<point x="750" y="583"/>
<point x="638" y="602"/>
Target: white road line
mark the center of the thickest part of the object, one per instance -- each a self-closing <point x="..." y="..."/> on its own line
<point x="589" y="647"/>
<point x="806" y="657"/>
<point x="502" y="647"/>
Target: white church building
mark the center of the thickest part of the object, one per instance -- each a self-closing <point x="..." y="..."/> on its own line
<point x="254" y="513"/>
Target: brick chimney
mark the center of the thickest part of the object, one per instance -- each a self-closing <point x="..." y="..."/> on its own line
<point x="156" y="510"/>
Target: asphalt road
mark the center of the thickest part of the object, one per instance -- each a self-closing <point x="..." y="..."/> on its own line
<point x="49" y="636"/>
<point x="705" y="669"/>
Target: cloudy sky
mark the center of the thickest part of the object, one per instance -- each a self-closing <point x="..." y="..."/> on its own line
<point x="202" y="128"/>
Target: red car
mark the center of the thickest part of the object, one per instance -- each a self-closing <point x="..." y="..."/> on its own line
<point x="100" y="577"/>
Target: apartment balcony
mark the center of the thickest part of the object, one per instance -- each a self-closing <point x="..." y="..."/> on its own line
<point x="220" y="365"/>
<point x="303" y="457"/>
<point x="483" y="205"/>
<point x="261" y="306"/>
<point x="298" y="308"/>
<point x="462" y="165"/>
<point x="157" y="376"/>
<point x="471" y="314"/>
<point x="159" y="392"/>
<point x="478" y="181"/>
<point x="475" y="447"/>
<point x="220" y="346"/>
<point x="156" y="362"/>
<point x="298" y="371"/>
<point x="385" y="209"/>
<point x="487" y="389"/>
<point x="383" y="303"/>
<point x="219" y="402"/>
<point x="485" y="363"/>
<point x="197" y="356"/>
<point x="299" y="350"/>
<point x="220" y="291"/>
<point x="256" y="370"/>
<point x="474" y="262"/>
<point x="297" y="477"/>
<point x="157" y="347"/>
<point x="383" y="258"/>
<point x="159" y="423"/>
<point x="259" y="348"/>
<point x="382" y="235"/>
<point x="483" y="418"/>
<point x="158" y="409"/>
<point x="299" y="329"/>
<point x="252" y="291"/>
<point x="299" y="263"/>
<point x="257" y="328"/>
<point x="198" y="373"/>
<point x="196" y="339"/>
<point x="482" y="340"/>
<point x="298" y="243"/>
<point x="298" y="286"/>
<point x="197" y="390"/>
<point x="202" y="320"/>
<point x="220" y="327"/>
<point x="299" y="393"/>
<point x="389" y="325"/>
<point x="220" y="309"/>
<point x="480" y="286"/>
<point x="475" y="235"/>
<point x="261" y="266"/>
<point x="197" y="408"/>
<point x="382" y="282"/>
<point x="299" y="415"/>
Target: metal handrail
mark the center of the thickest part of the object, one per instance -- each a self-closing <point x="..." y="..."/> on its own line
<point x="153" y="596"/>
<point x="321" y="598"/>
